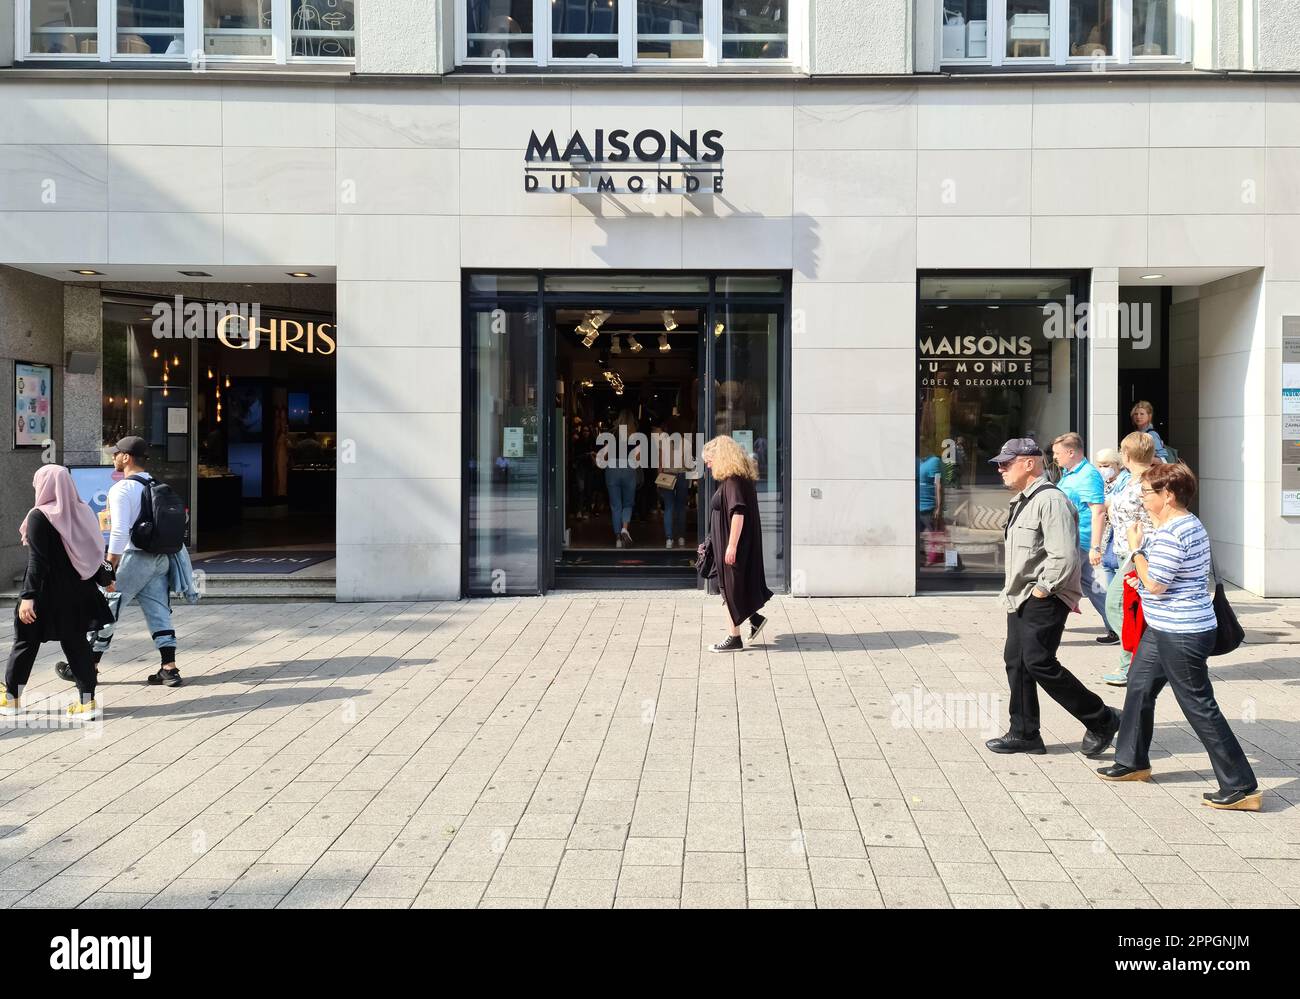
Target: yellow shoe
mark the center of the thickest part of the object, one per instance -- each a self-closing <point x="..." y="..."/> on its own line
<point x="9" y="706"/>
<point x="83" y="712"/>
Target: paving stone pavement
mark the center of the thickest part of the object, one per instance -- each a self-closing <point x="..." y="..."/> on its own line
<point x="586" y="750"/>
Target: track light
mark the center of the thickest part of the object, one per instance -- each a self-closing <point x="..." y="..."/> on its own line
<point x="719" y="329"/>
<point x="663" y="342"/>
<point x="617" y="347"/>
<point x="633" y="345"/>
<point x="670" y="321"/>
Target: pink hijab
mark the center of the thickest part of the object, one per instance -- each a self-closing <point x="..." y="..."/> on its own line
<point x="56" y="497"/>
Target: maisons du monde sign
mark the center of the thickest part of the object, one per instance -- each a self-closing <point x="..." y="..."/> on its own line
<point x="619" y="161"/>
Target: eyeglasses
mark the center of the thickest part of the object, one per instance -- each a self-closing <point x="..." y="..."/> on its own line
<point x="1147" y="491"/>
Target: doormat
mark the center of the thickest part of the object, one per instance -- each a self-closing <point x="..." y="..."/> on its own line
<point x="261" y="563"/>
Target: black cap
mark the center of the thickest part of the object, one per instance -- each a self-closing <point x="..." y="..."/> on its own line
<point x="1017" y="447"/>
<point x="136" y="447"/>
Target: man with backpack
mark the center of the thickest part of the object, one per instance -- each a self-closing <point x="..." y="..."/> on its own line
<point x="148" y="527"/>
<point x="1041" y="589"/>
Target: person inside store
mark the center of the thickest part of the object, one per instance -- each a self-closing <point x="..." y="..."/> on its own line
<point x="1173" y="567"/>
<point x="60" y="600"/>
<point x="1082" y="483"/>
<point x="929" y="505"/>
<point x="1040" y="591"/>
<point x="1111" y="467"/>
<point x="621" y="477"/>
<point x="1142" y="414"/>
<point x="1124" y="508"/>
<point x="736" y="535"/>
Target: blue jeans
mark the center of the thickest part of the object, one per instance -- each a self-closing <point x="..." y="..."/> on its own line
<point x="141" y="577"/>
<point x="1094" y="583"/>
<point x="1179" y="659"/>
<point x="674" y="501"/>
<point x="621" y="483"/>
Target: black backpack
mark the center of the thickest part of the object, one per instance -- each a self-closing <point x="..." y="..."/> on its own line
<point x="160" y="528"/>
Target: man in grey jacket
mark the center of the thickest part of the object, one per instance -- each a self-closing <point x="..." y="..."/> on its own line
<point x="1041" y="589"/>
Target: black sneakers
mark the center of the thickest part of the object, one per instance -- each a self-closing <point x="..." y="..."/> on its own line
<point x="1110" y="638"/>
<point x="756" y="622"/>
<point x="731" y="643"/>
<point x="64" y="671"/>
<point x="167" y="677"/>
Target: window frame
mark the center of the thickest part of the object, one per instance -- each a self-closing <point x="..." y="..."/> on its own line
<point x="106" y="33"/>
<point x="1121" y="42"/>
<point x="627" y="42"/>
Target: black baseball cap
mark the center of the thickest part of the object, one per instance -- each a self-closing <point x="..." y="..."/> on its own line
<point x="136" y="447"/>
<point x="1017" y="447"/>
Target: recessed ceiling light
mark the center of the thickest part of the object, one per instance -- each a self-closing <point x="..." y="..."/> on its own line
<point x="196" y="273"/>
<point x="88" y="273"/>
<point x="301" y="274"/>
<point x="1152" y="277"/>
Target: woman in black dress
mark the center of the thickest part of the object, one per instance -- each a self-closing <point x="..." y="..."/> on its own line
<point x="60" y="601"/>
<point x="737" y="538"/>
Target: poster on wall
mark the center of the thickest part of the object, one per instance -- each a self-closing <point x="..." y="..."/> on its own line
<point x="33" y="404"/>
<point x="93" y="483"/>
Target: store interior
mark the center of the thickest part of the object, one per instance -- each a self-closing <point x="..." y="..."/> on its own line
<point x="636" y="368"/>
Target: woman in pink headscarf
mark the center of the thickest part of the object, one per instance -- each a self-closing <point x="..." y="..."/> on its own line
<point x="60" y="601"/>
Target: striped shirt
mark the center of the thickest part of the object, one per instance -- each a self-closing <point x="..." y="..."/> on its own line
<point x="1178" y="555"/>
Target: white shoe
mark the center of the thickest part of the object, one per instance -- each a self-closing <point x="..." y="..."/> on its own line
<point x="618" y="542"/>
<point x="681" y="542"/>
<point x="625" y="536"/>
<point x="668" y="543"/>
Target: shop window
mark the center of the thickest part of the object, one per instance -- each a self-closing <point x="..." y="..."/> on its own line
<point x="670" y="29"/>
<point x="237" y="28"/>
<point x="1063" y="32"/>
<point x="150" y="27"/>
<point x="628" y="32"/>
<point x="64" y="27"/>
<point x="584" y="29"/>
<point x="994" y="361"/>
<point x="273" y="31"/>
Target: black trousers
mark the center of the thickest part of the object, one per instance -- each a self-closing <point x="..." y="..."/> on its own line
<point x="1033" y="636"/>
<point x="23" y="656"/>
<point x="1179" y="659"/>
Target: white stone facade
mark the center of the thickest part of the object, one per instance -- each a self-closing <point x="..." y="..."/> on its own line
<point x="393" y="189"/>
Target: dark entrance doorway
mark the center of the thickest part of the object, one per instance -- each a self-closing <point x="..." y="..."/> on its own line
<point x="659" y="363"/>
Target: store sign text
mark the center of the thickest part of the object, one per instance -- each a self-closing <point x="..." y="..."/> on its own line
<point x="620" y="162"/>
<point x="284" y="335"/>
<point x="1007" y="360"/>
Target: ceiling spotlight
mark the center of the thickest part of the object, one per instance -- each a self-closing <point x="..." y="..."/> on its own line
<point x="617" y="348"/>
<point x="670" y="321"/>
<point x="663" y="342"/>
<point x="89" y="273"/>
<point x="598" y="318"/>
<point x="634" y="345"/>
<point x="719" y="329"/>
<point x="301" y="274"/>
<point x="589" y="339"/>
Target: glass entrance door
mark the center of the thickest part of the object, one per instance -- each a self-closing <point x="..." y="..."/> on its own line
<point x="588" y="399"/>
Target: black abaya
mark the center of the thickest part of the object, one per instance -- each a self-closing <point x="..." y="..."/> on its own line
<point x="743" y="585"/>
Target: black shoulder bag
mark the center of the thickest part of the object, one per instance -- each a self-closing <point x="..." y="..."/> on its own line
<point x="1228" y="633"/>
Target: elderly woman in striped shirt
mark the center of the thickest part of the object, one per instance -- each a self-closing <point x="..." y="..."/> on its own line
<point x="1173" y="567"/>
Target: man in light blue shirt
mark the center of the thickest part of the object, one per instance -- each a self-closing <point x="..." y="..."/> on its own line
<point x="1083" y="484"/>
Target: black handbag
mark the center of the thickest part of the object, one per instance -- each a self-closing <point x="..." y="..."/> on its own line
<point x="1228" y="633"/>
<point x="705" y="564"/>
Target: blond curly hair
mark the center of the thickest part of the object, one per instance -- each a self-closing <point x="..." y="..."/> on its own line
<point x="729" y="459"/>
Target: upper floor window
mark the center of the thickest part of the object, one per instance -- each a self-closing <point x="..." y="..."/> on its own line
<point x="1065" y="32"/>
<point x="194" y="31"/>
<point x="628" y="32"/>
